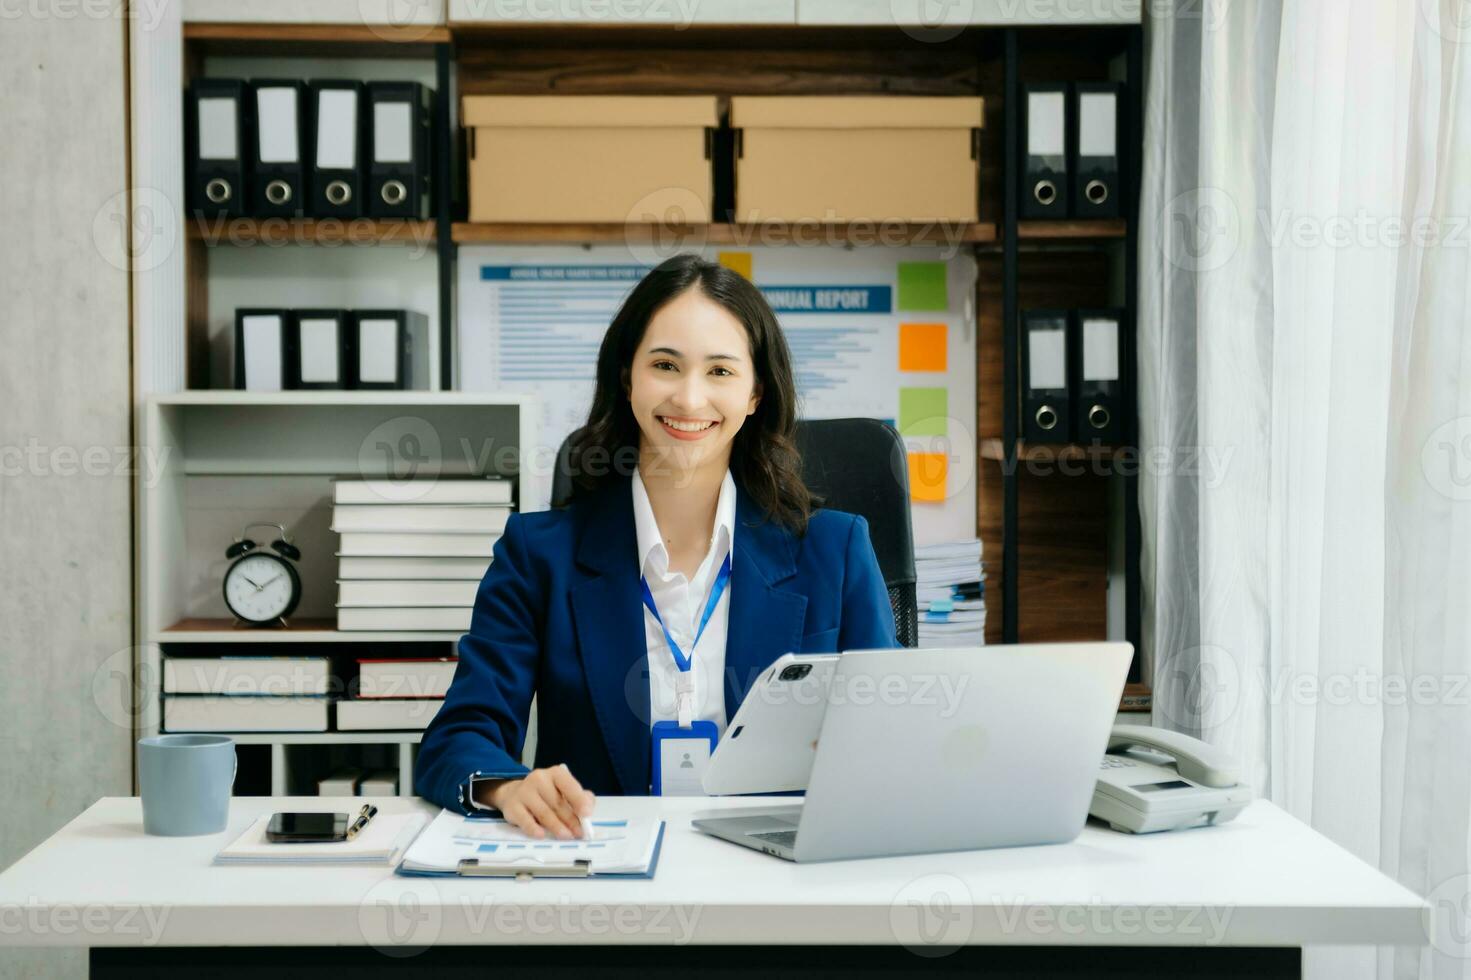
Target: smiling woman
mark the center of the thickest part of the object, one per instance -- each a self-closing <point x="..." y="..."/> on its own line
<point x="688" y="561"/>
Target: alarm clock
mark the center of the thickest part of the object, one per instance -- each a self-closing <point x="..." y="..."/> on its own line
<point x="262" y="587"/>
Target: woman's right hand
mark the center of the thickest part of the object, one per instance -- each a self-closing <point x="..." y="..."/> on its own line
<point x="544" y="801"/>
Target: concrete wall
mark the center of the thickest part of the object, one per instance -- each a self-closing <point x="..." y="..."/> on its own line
<point x="65" y="429"/>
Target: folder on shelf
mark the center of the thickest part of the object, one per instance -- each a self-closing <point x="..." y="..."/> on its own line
<point x="277" y="187"/>
<point x="320" y="342"/>
<point x="392" y="349"/>
<point x="484" y="846"/>
<point x="1045" y="408"/>
<point x="216" y="138"/>
<point x="398" y="171"/>
<point x="1044" y="190"/>
<point x="1096" y="160"/>
<point x="1097" y="394"/>
<point x="336" y="169"/>
<point x="262" y="349"/>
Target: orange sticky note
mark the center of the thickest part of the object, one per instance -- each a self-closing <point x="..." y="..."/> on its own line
<point x="922" y="346"/>
<point x="927" y="473"/>
<point x="737" y="262"/>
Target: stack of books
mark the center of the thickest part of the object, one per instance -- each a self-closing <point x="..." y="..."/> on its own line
<point x="393" y="694"/>
<point x="245" y="694"/>
<point x="951" y="594"/>
<point x="412" y="557"/>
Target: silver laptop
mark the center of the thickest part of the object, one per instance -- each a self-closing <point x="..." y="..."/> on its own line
<point x="947" y="750"/>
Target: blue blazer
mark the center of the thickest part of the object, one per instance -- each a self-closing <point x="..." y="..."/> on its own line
<point x="559" y="615"/>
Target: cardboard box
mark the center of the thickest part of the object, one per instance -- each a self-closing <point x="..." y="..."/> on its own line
<point x="544" y="158"/>
<point x="851" y="158"/>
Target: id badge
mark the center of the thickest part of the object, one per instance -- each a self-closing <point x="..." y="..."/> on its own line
<point x="681" y="756"/>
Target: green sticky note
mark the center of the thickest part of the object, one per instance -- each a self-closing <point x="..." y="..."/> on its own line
<point x="923" y="411"/>
<point x="922" y="286"/>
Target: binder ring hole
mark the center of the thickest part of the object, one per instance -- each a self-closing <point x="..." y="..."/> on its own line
<point x="1096" y="192"/>
<point x="338" y="192"/>
<point x="394" y="192"/>
<point x="278" y="192"/>
<point x="1046" y="418"/>
<point x="217" y="191"/>
<point x="1099" y="417"/>
<point x="1045" y="192"/>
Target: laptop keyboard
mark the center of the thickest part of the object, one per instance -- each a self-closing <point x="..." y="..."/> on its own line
<point x="781" y="838"/>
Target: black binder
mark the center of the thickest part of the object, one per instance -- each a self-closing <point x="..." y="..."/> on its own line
<point x="336" y="168"/>
<point x="1046" y="413"/>
<point x="398" y="166"/>
<point x="217" y="128"/>
<point x="263" y="351"/>
<point x="279" y="190"/>
<point x="1097" y="138"/>
<point x="320" y="342"/>
<point x="391" y="349"/>
<point x="1096" y="350"/>
<point x="1045" y="151"/>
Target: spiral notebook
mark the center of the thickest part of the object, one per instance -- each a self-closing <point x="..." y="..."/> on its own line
<point x="484" y="846"/>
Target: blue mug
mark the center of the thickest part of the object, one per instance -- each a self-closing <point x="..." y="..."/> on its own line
<point x="185" y="782"/>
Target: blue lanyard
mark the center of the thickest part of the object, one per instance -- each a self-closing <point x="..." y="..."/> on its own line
<point x="681" y="660"/>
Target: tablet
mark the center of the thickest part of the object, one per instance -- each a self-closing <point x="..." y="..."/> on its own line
<point x="769" y="746"/>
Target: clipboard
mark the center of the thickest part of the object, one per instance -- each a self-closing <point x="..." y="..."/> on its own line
<point x="475" y="868"/>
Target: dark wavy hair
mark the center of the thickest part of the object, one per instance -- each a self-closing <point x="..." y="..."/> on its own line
<point x="764" y="459"/>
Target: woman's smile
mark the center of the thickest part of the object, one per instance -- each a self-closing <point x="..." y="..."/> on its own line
<point x="686" y="428"/>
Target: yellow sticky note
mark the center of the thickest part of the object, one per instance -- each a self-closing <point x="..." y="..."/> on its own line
<point x="927" y="473"/>
<point x="737" y="262"/>
<point x="922" y="346"/>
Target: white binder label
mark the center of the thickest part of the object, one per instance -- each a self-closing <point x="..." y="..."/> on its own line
<point x="1047" y="359"/>
<point x="1046" y="126"/>
<point x="393" y="132"/>
<point x="337" y="129"/>
<point x="378" y="350"/>
<point x="1098" y="125"/>
<point x="262" y="338"/>
<point x="276" y="114"/>
<point x="1100" y="350"/>
<point x="319" y="351"/>
<point x="217" y="130"/>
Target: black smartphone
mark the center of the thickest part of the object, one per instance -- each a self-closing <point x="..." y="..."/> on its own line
<point x="296" y="828"/>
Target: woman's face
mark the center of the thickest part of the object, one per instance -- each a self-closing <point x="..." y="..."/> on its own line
<point x="692" y="383"/>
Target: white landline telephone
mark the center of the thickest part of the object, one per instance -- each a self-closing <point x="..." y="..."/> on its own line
<point x="1151" y="779"/>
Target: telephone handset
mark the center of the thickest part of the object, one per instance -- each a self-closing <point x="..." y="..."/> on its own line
<point x="1151" y="780"/>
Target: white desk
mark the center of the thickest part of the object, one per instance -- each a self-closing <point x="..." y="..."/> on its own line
<point x="1265" y="884"/>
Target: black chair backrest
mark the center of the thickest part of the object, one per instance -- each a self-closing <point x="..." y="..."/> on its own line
<point x="854" y="465"/>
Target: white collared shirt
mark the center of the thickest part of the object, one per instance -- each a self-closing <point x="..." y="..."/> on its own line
<point x="681" y="602"/>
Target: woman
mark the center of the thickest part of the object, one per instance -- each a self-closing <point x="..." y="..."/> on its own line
<point x="689" y="503"/>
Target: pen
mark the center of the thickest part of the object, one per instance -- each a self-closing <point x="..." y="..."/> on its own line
<point x="368" y="812"/>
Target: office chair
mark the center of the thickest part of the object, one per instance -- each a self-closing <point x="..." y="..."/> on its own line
<point x="853" y="465"/>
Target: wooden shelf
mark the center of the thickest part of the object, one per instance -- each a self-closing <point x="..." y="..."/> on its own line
<point x="323" y="738"/>
<point x="994" y="449"/>
<point x="724" y="233"/>
<point x="1071" y="230"/>
<point x="200" y="630"/>
<point x="331" y="35"/>
<point x="277" y="232"/>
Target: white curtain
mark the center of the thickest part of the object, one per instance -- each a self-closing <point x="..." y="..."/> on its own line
<point x="1305" y="402"/>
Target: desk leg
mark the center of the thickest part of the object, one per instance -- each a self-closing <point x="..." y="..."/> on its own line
<point x="683" y="962"/>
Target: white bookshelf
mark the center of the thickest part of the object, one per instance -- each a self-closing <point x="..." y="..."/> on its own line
<point x="213" y="460"/>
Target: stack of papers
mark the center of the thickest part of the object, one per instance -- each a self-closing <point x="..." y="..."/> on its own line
<point x="385" y="837"/>
<point x="614" y="847"/>
<point x="950" y="591"/>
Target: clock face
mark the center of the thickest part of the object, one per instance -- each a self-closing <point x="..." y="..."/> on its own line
<point x="259" y="588"/>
